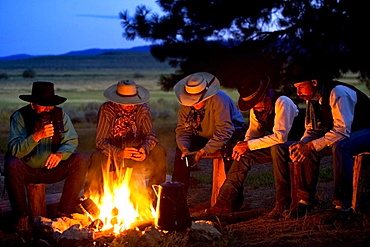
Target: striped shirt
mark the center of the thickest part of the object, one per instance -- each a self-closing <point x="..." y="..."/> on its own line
<point x="108" y="144"/>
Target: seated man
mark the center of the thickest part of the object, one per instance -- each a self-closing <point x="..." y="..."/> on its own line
<point x="125" y="138"/>
<point x="337" y="121"/>
<point x="42" y="149"/>
<point x="272" y="116"/>
<point x="207" y="120"/>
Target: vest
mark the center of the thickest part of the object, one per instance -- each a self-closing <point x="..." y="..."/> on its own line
<point x="34" y="121"/>
<point x="360" y="120"/>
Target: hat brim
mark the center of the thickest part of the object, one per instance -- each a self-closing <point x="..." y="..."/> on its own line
<point x="187" y="99"/>
<point x="249" y="104"/>
<point x="141" y="97"/>
<point x="55" y="100"/>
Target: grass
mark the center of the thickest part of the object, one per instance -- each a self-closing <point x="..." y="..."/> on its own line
<point x="82" y="79"/>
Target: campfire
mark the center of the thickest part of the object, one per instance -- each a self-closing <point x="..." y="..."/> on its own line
<point x="125" y="212"/>
<point x="124" y="205"/>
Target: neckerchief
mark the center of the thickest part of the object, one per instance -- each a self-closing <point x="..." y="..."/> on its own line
<point x="313" y="115"/>
<point x="194" y="120"/>
<point x="125" y="122"/>
<point x="266" y="116"/>
<point x="313" y="112"/>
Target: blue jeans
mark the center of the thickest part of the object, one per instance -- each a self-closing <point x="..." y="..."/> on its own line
<point x="343" y="153"/>
<point x="18" y="175"/>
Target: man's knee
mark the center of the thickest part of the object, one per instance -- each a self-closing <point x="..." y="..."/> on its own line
<point x="160" y="151"/>
<point x="13" y="164"/>
<point x="79" y="160"/>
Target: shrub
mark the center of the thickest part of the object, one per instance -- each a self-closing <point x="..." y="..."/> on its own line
<point x="138" y="75"/>
<point x="4" y="76"/>
<point x="29" y="73"/>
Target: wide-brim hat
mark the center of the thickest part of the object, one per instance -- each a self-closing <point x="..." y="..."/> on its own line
<point x="43" y="94"/>
<point x="196" y="87"/>
<point x="300" y="73"/>
<point x="252" y="93"/>
<point x="127" y="92"/>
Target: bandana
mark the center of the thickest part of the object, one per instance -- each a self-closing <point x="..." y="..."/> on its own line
<point x="194" y="120"/>
<point x="313" y="115"/>
<point x="125" y="122"/>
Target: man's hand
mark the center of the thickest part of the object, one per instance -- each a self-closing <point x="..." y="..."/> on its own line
<point x="133" y="154"/>
<point x="44" y="132"/>
<point x="53" y="160"/>
<point x="184" y="152"/>
<point x="198" y="156"/>
<point x="140" y="156"/>
<point x="299" y="151"/>
<point x="239" y="149"/>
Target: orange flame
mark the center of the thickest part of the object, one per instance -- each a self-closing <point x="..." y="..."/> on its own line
<point x="125" y="202"/>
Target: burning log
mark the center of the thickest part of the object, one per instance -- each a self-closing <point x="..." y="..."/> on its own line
<point x="88" y="206"/>
<point x="96" y="225"/>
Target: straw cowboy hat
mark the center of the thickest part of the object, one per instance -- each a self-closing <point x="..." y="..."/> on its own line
<point x="127" y="92"/>
<point x="251" y="94"/>
<point x="196" y="87"/>
<point x="43" y="94"/>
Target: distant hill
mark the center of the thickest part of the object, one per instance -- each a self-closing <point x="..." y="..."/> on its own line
<point x="88" y="52"/>
<point x="134" y="58"/>
<point x="16" y="57"/>
<point x="145" y="48"/>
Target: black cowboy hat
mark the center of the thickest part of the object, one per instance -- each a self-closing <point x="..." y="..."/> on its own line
<point x="43" y="94"/>
<point x="251" y="94"/>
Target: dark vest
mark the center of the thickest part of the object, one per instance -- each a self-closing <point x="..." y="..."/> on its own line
<point x="360" y="120"/>
<point x="34" y="121"/>
<point x="267" y="122"/>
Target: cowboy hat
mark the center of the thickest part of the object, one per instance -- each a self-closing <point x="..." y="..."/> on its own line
<point x="43" y="94"/>
<point x="300" y="73"/>
<point x="251" y="94"/>
<point x="196" y="87"/>
<point x="127" y="92"/>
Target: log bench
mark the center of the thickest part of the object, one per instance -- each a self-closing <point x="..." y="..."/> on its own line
<point x="361" y="183"/>
<point x="218" y="174"/>
<point x="36" y="200"/>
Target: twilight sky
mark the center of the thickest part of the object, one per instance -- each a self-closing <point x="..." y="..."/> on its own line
<point x="53" y="27"/>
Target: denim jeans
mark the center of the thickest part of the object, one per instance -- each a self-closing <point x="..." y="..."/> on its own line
<point x="309" y="175"/>
<point x="343" y="153"/>
<point x="231" y="192"/>
<point x="18" y="175"/>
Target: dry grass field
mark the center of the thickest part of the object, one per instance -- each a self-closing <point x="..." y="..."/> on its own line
<point x="83" y="86"/>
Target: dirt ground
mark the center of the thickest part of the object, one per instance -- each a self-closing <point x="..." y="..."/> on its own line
<point x="249" y="227"/>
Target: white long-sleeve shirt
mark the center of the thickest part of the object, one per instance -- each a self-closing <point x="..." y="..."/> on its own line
<point x="342" y="101"/>
<point x="285" y="112"/>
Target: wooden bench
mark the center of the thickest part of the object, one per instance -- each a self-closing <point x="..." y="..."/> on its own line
<point x="361" y="183"/>
<point x="218" y="174"/>
<point x="36" y="200"/>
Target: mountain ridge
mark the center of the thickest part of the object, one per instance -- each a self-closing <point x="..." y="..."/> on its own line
<point x="86" y="52"/>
